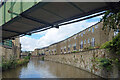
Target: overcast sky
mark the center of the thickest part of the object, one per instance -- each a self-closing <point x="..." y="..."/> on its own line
<point x="50" y="36"/>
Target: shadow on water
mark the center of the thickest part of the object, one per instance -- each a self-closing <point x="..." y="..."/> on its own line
<point x="46" y="69"/>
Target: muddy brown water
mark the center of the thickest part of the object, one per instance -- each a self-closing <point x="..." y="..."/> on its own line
<point x="46" y="69"/>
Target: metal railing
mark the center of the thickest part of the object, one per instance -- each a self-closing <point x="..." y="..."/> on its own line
<point x="7" y="43"/>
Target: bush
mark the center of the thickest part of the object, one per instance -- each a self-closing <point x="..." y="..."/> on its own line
<point x="113" y="45"/>
<point x="13" y="63"/>
<point x="104" y="46"/>
<point x="42" y="58"/>
<point x="75" y="51"/>
<point x="22" y="61"/>
<point x="27" y="57"/>
<point x="0" y="65"/>
<point x="90" y="47"/>
<point x="105" y="63"/>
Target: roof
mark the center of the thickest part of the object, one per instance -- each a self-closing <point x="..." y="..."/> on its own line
<point x="43" y="15"/>
<point x="68" y="37"/>
<point x="75" y="34"/>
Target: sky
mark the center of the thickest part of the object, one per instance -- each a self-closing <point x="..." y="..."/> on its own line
<point x="53" y="35"/>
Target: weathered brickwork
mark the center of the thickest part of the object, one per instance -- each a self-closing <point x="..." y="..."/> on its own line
<point x="86" y="61"/>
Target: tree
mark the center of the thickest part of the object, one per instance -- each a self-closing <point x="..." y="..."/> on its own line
<point x="111" y="19"/>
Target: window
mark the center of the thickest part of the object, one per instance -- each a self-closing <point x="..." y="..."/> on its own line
<point x="81" y="34"/>
<point x="89" y="29"/>
<point x="69" y="40"/>
<point x="69" y="45"/>
<point x="61" y="50"/>
<point x="49" y="51"/>
<point x="92" y="29"/>
<point x="96" y="26"/>
<point x="55" y="51"/>
<point x="84" y="41"/>
<point x="93" y="42"/>
<point x="64" y="41"/>
<point x="75" y="37"/>
<point x="81" y="45"/>
<point x="84" y="32"/>
<point x="68" y="48"/>
<point x="43" y="52"/>
<point x="88" y="40"/>
<point x="75" y="44"/>
<point x="74" y="47"/>
<point x="65" y="48"/>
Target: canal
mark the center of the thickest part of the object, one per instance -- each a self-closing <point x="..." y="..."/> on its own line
<point x="46" y="69"/>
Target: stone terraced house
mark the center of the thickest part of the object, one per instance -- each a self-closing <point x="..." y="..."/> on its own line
<point x="93" y="36"/>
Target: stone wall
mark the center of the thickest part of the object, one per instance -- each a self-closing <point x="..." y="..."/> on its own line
<point x="86" y="61"/>
<point x="6" y="53"/>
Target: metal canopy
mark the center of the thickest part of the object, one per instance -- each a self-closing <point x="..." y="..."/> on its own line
<point x="43" y="15"/>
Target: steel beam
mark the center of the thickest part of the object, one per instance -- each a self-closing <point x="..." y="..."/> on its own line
<point x="52" y="13"/>
<point x="71" y="3"/>
<point x="82" y="19"/>
<point x="35" y="19"/>
<point x="10" y="31"/>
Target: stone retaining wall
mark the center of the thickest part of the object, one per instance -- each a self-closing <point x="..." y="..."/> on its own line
<point x="86" y="61"/>
<point x="6" y="53"/>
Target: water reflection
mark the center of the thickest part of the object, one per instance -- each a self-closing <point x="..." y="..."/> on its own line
<point x="46" y="69"/>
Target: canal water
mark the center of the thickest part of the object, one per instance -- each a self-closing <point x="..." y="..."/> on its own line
<point x="46" y="69"/>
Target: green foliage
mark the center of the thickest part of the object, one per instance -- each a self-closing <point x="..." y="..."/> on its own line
<point x="22" y="61"/>
<point x="117" y="62"/>
<point x="113" y="45"/>
<point x="74" y="56"/>
<point x="42" y="58"/>
<point x="97" y="46"/>
<point x="111" y="19"/>
<point x="0" y="65"/>
<point x="105" y="63"/>
<point x="103" y="46"/>
<point x="9" y="64"/>
<point x="12" y="63"/>
<point x="29" y="54"/>
<point x="90" y="47"/>
<point x="27" y="57"/>
<point x="75" y="51"/>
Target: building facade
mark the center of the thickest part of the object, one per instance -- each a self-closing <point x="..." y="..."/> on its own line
<point x="10" y="49"/>
<point x="93" y="36"/>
